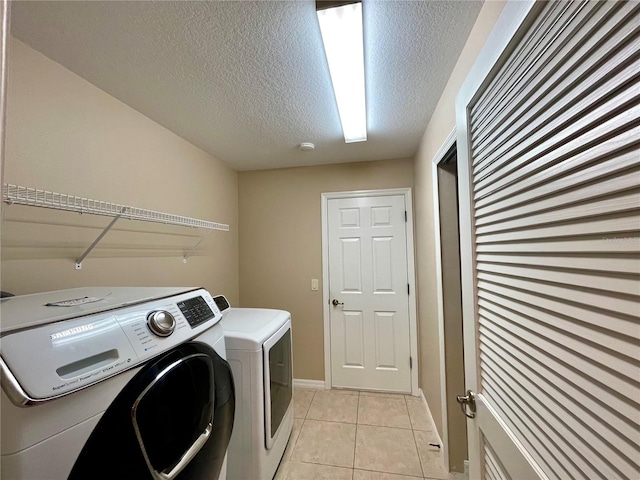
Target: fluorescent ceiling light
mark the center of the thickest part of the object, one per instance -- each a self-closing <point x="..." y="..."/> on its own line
<point x="341" y="29"/>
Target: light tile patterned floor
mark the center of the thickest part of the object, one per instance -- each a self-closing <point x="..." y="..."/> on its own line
<point x="352" y="435"/>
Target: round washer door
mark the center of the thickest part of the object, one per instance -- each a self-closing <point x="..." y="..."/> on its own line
<point x="172" y="420"/>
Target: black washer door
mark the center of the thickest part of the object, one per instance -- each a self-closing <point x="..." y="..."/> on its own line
<point x="173" y="416"/>
<point x="178" y="404"/>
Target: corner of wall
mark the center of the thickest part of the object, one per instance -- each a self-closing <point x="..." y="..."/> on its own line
<point x="440" y="125"/>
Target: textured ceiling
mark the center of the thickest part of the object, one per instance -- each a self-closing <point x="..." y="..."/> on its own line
<point x="248" y="81"/>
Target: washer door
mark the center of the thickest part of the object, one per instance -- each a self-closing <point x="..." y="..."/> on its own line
<point x="173" y="420"/>
<point x="173" y="416"/>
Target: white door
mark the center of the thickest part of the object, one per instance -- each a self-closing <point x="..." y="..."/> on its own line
<point x="368" y="283"/>
<point x="549" y="169"/>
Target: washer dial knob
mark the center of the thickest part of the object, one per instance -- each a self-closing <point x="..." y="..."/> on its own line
<point x="161" y="323"/>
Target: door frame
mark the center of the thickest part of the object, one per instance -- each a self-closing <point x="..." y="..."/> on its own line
<point x="411" y="273"/>
<point x="515" y="17"/>
<point x="449" y="142"/>
<point x="5" y="28"/>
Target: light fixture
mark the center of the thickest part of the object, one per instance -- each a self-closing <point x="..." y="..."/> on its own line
<point x="341" y="29"/>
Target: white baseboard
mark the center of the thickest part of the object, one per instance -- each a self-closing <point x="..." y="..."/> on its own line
<point x="308" y="384"/>
<point x="433" y="425"/>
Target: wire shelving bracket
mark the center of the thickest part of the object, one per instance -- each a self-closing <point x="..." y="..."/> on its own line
<point x="20" y="195"/>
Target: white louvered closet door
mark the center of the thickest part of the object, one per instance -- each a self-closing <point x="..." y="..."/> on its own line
<point x="549" y="154"/>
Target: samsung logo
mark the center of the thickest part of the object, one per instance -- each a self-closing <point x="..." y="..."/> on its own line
<point x="71" y="331"/>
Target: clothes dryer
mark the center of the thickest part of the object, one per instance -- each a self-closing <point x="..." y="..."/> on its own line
<point x="104" y="383"/>
<point x="259" y="351"/>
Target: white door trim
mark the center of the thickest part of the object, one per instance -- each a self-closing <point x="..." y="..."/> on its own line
<point x="491" y="56"/>
<point x="413" y="328"/>
<point x="448" y="143"/>
<point x="5" y="28"/>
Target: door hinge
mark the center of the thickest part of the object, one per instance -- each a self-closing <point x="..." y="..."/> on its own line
<point x="405" y="217"/>
<point x="408" y="289"/>
<point x="410" y="363"/>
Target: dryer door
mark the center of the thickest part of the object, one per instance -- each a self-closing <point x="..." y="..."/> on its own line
<point x="175" y="416"/>
<point x="278" y="381"/>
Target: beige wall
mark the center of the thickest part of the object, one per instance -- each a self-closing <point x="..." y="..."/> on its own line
<point x="66" y="135"/>
<point x="280" y="241"/>
<point x="441" y="124"/>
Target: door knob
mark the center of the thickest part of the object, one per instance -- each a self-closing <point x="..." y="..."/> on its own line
<point x="468" y="400"/>
<point x="335" y="302"/>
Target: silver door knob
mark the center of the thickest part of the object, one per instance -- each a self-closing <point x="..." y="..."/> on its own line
<point x="467" y="403"/>
<point x="335" y="302"/>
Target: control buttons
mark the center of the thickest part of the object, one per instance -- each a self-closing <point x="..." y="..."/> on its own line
<point x="196" y="311"/>
<point x="161" y="322"/>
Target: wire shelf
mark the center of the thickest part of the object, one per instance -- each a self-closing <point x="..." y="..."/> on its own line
<point x="16" y="194"/>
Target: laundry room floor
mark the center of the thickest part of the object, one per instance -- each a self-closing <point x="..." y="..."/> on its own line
<point x="357" y="435"/>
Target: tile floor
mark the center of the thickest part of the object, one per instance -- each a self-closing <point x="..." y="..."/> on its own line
<point x="352" y="435"/>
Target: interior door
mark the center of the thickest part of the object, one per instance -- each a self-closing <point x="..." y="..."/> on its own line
<point x="368" y="285"/>
<point x="549" y="162"/>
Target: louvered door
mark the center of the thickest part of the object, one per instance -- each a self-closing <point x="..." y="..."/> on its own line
<point x="549" y="155"/>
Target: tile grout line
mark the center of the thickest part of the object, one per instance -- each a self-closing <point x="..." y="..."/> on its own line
<point x="304" y="419"/>
<point x="363" y="469"/>
<point x="415" y="442"/>
<point x="413" y="434"/>
<point x="355" y="440"/>
<point x="332" y="421"/>
<point x="351" y="424"/>
<point x="406" y="405"/>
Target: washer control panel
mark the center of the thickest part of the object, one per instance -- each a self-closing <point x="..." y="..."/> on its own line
<point x="196" y="310"/>
<point x="60" y="357"/>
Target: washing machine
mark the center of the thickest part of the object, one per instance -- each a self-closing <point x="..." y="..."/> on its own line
<point x="105" y="383"/>
<point x="259" y="351"/>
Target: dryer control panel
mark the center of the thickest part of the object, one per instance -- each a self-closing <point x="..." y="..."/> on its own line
<point x="54" y="359"/>
<point x="222" y="303"/>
